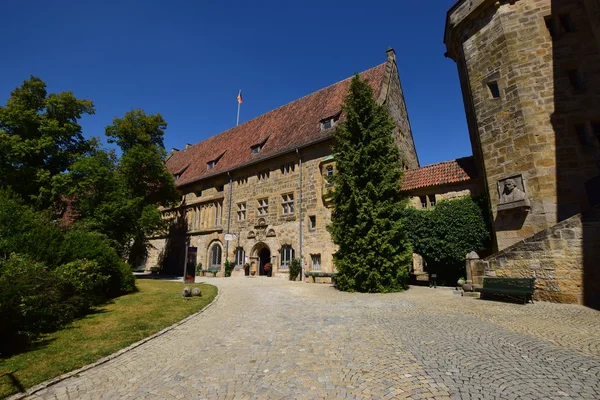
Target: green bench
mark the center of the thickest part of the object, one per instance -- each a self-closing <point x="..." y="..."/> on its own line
<point x="512" y="287"/>
<point x="210" y="271"/>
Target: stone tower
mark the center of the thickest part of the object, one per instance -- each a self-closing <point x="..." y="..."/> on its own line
<point x="530" y="77"/>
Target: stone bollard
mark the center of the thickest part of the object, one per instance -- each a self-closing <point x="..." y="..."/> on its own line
<point x="186" y="292"/>
<point x="196" y="292"/>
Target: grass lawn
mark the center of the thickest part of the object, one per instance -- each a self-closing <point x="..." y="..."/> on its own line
<point x="113" y="326"/>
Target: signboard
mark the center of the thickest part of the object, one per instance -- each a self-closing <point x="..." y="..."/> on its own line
<point x="190" y="268"/>
<point x="229" y="237"/>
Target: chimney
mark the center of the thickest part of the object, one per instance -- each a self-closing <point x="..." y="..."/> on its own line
<point x="391" y="54"/>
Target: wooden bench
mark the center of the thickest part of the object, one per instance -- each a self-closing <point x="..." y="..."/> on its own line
<point x="210" y="271"/>
<point x="512" y="287"/>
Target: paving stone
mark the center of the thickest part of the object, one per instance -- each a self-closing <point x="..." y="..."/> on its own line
<point x="274" y="339"/>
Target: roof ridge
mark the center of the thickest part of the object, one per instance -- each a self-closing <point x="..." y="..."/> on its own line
<point x="285" y="105"/>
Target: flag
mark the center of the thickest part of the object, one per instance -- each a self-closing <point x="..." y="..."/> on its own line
<point x="239" y="98"/>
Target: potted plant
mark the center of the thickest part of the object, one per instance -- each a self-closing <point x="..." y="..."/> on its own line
<point x="228" y="268"/>
<point x="268" y="268"/>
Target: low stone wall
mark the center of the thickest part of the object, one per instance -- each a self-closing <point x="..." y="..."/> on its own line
<point x="562" y="259"/>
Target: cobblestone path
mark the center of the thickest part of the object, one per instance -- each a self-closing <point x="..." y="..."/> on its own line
<point x="269" y="338"/>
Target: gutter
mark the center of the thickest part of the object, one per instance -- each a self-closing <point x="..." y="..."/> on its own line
<point x="300" y="216"/>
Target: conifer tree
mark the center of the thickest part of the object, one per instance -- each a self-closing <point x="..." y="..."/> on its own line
<point x="373" y="249"/>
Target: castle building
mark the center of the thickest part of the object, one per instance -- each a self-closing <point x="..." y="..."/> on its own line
<point x="529" y="72"/>
<point x="256" y="193"/>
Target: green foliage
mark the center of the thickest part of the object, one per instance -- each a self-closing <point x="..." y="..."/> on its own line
<point x="374" y="252"/>
<point x="294" y="269"/>
<point x="93" y="246"/>
<point x="40" y="137"/>
<point x="84" y="280"/>
<point x="119" y="197"/>
<point x="444" y="235"/>
<point x="32" y="301"/>
<point x="228" y="267"/>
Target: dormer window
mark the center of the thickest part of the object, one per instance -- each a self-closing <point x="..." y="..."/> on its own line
<point x="329" y="122"/>
<point x="211" y="164"/>
<point x="256" y="149"/>
<point x="176" y="176"/>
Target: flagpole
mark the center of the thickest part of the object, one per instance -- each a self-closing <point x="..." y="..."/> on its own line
<point x="238" y="114"/>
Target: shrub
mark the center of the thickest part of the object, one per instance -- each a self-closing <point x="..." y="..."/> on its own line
<point x="294" y="269"/>
<point x="445" y="234"/>
<point x="228" y="267"/>
<point x="92" y="246"/>
<point x="33" y="300"/>
<point x="85" y="282"/>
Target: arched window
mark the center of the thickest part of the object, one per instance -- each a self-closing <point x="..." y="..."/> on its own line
<point x="286" y="255"/>
<point x="240" y="256"/>
<point x="215" y="256"/>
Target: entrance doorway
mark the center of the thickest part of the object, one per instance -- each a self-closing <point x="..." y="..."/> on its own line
<point x="264" y="257"/>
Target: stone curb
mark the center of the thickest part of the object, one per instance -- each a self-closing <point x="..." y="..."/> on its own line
<point x="53" y="381"/>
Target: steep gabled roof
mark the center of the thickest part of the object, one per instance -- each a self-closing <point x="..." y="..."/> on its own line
<point x="459" y="170"/>
<point x="294" y="125"/>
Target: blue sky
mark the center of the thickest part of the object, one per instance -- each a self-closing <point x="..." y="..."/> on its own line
<point x="188" y="59"/>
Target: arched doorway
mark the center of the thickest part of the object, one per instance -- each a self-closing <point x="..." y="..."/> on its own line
<point x="264" y="257"/>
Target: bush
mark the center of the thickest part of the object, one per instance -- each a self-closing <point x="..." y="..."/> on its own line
<point x="33" y="300"/>
<point x="85" y="282"/>
<point x="294" y="269"/>
<point x="228" y="267"/>
<point x="444" y="235"/>
<point x="92" y="246"/>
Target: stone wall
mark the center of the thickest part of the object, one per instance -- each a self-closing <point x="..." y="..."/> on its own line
<point x="444" y="192"/>
<point x="527" y="129"/>
<point x="555" y="257"/>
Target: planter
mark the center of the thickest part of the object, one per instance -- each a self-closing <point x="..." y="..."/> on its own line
<point x="252" y="273"/>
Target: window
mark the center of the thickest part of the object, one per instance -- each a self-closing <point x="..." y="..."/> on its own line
<point x="315" y="262"/>
<point x="566" y="23"/>
<point x="431" y="200"/>
<point x="215" y="256"/>
<point x="288" y="168"/>
<point x="550" y="25"/>
<point x="256" y="149"/>
<point x="218" y="213"/>
<point x="582" y="133"/>
<point x="263" y="207"/>
<point x="263" y="175"/>
<point x="176" y="176"/>
<point x="329" y="172"/>
<point x="287" y="204"/>
<point x="241" y="211"/>
<point x="211" y="164"/>
<point x="329" y="123"/>
<point x="312" y="222"/>
<point x="240" y="256"/>
<point x="576" y="79"/>
<point x="494" y="89"/>
<point x="286" y="256"/>
<point x="423" y="201"/>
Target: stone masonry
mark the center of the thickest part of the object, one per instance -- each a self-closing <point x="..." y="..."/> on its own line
<point x="298" y="175"/>
<point x="528" y="71"/>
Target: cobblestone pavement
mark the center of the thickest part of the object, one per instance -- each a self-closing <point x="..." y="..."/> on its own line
<point x="269" y="338"/>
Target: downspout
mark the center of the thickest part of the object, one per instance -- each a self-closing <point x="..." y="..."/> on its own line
<point x="229" y="216"/>
<point x="300" y="216"/>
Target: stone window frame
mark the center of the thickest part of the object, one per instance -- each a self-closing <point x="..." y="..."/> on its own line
<point x="491" y="81"/>
<point x="286" y="255"/>
<point x="312" y="222"/>
<point x="430" y="202"/>
<point x="556" y="24"/>
<point x="287" y="204"/>
<point x="315" y="262"/>
<point x="239" y="256"/>
<point x="215" y="253"/>
<point x="241" y="211"/>
<point x="423" y="201"/>
<point x="262" y="206"/>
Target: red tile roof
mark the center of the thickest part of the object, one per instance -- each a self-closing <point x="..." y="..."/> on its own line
<point x="459" y="170"/>
<point x="285" y="129"/>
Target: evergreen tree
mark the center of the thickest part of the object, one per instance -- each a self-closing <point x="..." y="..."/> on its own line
<point x="374" y="252"/>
